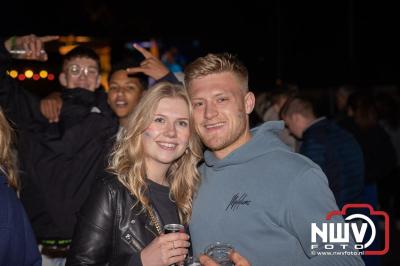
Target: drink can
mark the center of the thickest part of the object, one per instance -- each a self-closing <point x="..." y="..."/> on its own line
<point x="173" y="228"/>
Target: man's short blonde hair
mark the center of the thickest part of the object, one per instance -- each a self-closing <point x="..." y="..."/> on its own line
<point x="214" y="64"/>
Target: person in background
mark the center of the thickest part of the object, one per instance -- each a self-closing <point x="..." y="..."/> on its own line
<point x="388" y="111"/>
<point x="342" y="95"/>
<point x="378" y="151"/>
<point x="277" y="99"/>
<point x="58" y="161"/>
<point x="335" y="150"/>
<point x="154" y="178"/>
<point x="127" y="82"/>
<point x="125" y="90"/>
<point x="17" y="242"/>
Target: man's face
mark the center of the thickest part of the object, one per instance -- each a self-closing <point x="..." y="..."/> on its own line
<point x="80" y="72"/>
<point x="124" y="93"/>
<point x="220" y="111"/>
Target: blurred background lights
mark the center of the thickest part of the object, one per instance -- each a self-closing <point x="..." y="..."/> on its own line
<point x="28" y="73"/>
<point x="21" y="76"/>
<point x="43" y="74"/>
<point x="13" y="73"/>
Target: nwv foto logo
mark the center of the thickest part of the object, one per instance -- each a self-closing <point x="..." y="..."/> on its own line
<point x="330" y="234"/>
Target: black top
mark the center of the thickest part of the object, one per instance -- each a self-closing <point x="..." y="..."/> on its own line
<point x="159" y="196"/>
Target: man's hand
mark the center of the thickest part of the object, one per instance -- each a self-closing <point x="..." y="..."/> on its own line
<point x="31" y="45"/>
<point x="235" y="257"/>
<point x="150" y="66"/>
<point x="50" y="107"/>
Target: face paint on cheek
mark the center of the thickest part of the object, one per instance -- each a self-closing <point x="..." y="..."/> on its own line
<point x="148" y="133"/>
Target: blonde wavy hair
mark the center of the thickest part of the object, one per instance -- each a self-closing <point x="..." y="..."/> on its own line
<point x="7" y="162"/>
<point x="127" y="159"/>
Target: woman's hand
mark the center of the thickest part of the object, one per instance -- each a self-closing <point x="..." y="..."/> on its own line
<point x="165" y="250"/>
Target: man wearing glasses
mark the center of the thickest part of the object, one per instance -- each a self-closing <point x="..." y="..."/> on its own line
<point x="58" y="161"/>
<point x="80" y="72"/>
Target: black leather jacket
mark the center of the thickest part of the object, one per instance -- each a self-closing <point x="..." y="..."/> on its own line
<point x="109" y="230"/>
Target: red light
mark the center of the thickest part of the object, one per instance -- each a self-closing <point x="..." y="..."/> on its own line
<point x="36" y="77"/>
<point x="50" y="77"/>
<point x="21" y="76"/>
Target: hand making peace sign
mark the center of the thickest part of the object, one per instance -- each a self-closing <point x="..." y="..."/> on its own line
<point x="150" y="66"/>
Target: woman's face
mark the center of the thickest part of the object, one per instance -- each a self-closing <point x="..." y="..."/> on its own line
<point x="167" y="137"/>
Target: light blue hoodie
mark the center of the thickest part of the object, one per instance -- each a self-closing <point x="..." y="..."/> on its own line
<point x="262" y="199"/>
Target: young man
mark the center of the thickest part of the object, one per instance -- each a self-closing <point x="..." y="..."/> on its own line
<point x="125" y="91"/>
<point x="332" y="148"/>
<point x="59" y="161"/>
<point x="255" y="194"/>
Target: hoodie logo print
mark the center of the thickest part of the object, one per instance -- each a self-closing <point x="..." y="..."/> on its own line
<point x="237" y="200"/>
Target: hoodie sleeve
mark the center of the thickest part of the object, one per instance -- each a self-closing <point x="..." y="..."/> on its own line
<point x="309" y="201"/>
<point x="170" y="77"/>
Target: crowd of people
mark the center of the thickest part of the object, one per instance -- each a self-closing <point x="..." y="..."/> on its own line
<point x="93" y="176"/>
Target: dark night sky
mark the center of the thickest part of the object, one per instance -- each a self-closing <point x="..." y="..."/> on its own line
<point x="323" y="43"/>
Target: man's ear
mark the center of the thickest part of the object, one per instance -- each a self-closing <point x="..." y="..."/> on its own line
<point x="63" y="79"/>
<point x="249" y="102"/>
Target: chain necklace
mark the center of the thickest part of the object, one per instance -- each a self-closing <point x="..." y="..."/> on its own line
<point x="154" y="221"/>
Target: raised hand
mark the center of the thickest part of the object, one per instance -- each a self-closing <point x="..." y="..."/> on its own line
<point x="150" y="66"/>
<point x="30" y="47"/>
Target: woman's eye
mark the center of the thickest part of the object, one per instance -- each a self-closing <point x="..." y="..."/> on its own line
<point x="183" y="123"/>
<point x="159" y="120"/>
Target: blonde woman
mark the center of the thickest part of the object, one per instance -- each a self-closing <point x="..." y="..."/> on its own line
<point x="153" y="183"/>
<point x="17" y="243"/>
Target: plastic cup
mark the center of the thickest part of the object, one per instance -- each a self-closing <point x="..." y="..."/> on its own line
<point x="219" y="252"/>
